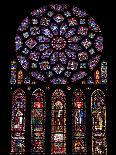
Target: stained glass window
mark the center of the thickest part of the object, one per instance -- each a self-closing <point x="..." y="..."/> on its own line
<point x="58" y="43"/>
<point x="98" y="107"/>
<point x="18" y="122"/>
<point x="104" y="72"/>
<point x="97" y="77"/>
<point x="58" y="121"/>
<point x="13" y="72"/>
<point x="38" y="118"/>
<point x="20" y="77"/>
<point x="79" y="123"/>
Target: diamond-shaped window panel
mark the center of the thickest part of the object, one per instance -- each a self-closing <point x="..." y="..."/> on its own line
<point x="31" y="43"/>
<point x="58" y="69"/>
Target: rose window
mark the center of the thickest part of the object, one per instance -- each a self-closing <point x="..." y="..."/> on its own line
<point x="59" y="44"/>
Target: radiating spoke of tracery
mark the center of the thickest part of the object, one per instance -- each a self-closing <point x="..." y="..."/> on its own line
<point x="98" y="108"/>
<point x="18" y="122"/>
<point x="79" y="123"/>
<point x="58" y="122"/>
<point x="38" y="117"/>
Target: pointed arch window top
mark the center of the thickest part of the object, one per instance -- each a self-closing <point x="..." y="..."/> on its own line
<point x="18" y="91"/>
<point x="98" y="100"/>
<point x="98" y="92"/>
<point x="58" y="92"/>
<point x="49" y="44"/>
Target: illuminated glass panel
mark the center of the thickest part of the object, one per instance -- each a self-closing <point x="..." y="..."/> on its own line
<point x="98" y="108"/>
<point x="58" y="121"/>
<point x="79" y="123"/>
<point x="38" y="117"/>
<point x="97" y="77"/>
<point x="104" y="72"/>
<point x="27" y="80"/>
<point x="18" y="122"/>
<point x="20" y="77"/>
<point x="13" y="72"/>
<point x="58" y="39"/>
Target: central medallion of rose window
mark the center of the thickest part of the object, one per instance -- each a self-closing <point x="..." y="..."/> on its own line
<point x="58" y="43"/>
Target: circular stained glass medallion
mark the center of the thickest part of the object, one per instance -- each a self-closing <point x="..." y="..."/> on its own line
<point x="59" y="44"/>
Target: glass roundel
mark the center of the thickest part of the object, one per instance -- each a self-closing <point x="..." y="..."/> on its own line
<point x="58" y="43"/>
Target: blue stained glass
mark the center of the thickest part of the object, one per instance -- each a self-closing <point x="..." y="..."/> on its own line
<point x="82" y="21"/>
<point x="54" y="58"/>
<point x="18" y="42"/>
<point x="38" y="75"/>
<point x="78" y="12"/>
<point x="99" y="43"/>
<point x="23" y="61"/>
<point x="42" y="39"/>
<point x="63" y="28"/>
<point x="74" y="47"/>
<point x="58" y="7"/>
<point x="50" y="13"/>
<point x="39" y="12"/>
<point x="34" y="30"/>
<point x="70" y="32"/>
<point x="24" y="25"/>
<point x="70" y="53"/>
<point x="47" y="32"/>
<point x="54" y="28"/>
<point x="67" y="14"/>
<point x="78" y="76"/>
<point x="46" y="53"/>
<point x="92" y="63"/>
<point x="90" y="80"/>
<point x="58" y="18"/>
<point x="93" y="25"/>
<point x="34" y="21"/>
<point x="43" y="47"/>
<point x="75" y="39"/>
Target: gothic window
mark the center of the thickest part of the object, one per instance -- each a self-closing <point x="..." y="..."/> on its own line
<point x="79" y="123"/>
<point x="58" y="125"/>
<point x="59" y="54"/>
<point x="20" y="77"/>
<point x="38" y="117"/>
<point x="98" y="109"/>
<point x="18" y="122"/>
